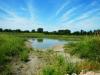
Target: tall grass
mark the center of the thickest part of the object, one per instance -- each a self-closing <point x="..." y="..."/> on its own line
<point x="11" y="46"/>
<point x="56" y="64"/>
<point x="59" y="66"/>
<point x="87" y="49"/>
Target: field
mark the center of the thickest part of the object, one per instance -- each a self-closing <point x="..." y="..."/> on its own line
<point x="42" y="35"/>
<point x="87" y="48"/>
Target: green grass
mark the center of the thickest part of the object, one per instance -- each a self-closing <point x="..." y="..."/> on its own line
<point x="42" y="35"/>
<point x="10" y="47"/>
<point x="56" y="64"/>
<point x="87" y="49"/>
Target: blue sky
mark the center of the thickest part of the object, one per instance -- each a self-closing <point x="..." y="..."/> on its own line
<point x="50" y="14"/>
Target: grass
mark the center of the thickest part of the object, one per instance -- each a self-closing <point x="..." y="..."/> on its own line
<point x="10" y="48"/>
<point x="12" y="45"/>
<point x="56" y="64"/>
<point x="87" y="49"/>
<point x="42" y="35"/>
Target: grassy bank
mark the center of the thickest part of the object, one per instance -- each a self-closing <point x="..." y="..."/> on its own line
<point x="87" y="49"/>
<point x="11" y="47"/>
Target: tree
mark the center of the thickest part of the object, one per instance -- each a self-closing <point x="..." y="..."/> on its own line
<point x="60" y="31"/>
<point x="64" y="32"/>
<point x="46" y="32"/>
<point x="17" y="30"/>
<point x="82" y="32"/>
<point x="1" y="29"/>
<point x="54" y="32"/>
<point x="33" y="30"/>
<point x="97" y="32"/>
<point x="40" y="30"/>
<point x="7" y="30"/>
<point x="90" y="32"/>
<point x="27" y="31"/>
<point x="67" y="31"/>
<point x="76" y="33"/>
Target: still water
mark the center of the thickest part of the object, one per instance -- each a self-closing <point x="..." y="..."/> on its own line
<point x="44" y="43"/>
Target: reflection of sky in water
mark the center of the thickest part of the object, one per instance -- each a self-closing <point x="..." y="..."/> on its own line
<point x="46" y="43"/>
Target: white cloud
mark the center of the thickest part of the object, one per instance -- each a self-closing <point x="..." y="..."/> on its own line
<point x="9" y="12"/>
<point x="18" y="22"/>
<point x="31" y="10"/>
<point x="87" y="24"/>
<point x="72" y="11"/>
<point x="67" y="14"/>
<point x="62" y="7"/>
<point x="87" y="15"/>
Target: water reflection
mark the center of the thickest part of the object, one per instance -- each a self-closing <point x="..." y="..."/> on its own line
<point x="44" y="43"/>
<point x="40" y="40"/>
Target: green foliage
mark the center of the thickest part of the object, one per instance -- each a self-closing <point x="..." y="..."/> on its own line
<point x="88" y="48"/>
<point x="10" y="47"/>
<point x="49" y="70"/>
<point x="57" y="65"/>
<point x="24" y="55"/>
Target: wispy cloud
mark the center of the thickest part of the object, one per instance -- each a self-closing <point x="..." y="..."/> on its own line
<point x="62" y="7"/>
<point x="16" y="21"/>
<point x="31" y="9"/>
<point x="70" y="12"/>
<point x="75" y="13"/>
<point x="8" y="12"/>
<point x="87" y="15"/>
<point x="84" y="16"/>
<point x="86" y="24"/>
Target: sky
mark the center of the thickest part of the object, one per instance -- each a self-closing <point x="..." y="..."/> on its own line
<point x="50" y="14"/>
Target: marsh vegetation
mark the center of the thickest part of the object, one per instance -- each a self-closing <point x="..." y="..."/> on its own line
<point x="49" y="62"/>
<point x="11" y="47"/>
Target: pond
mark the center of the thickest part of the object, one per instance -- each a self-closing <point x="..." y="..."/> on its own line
<point x="45" y="43"/>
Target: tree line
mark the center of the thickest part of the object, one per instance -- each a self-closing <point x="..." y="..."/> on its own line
<point x="59" y="32"/>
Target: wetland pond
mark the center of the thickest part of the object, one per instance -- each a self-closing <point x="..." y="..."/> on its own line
<point x="45" y="43"/>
